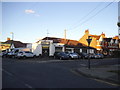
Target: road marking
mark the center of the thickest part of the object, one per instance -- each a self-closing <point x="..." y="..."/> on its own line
<point x="76" y="73"/>
<point x="83" y="64"/>
<point x="27" y="85"/>
<point x="106" y="82"/>
<point x="7" y="72"/>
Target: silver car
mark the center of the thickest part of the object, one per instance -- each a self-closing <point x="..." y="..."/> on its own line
<point x="73" y="55"/>
<point x="25" y="54"/>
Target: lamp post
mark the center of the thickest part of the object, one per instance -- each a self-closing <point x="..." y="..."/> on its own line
<point x="12" y="35"/>
<point x="89" y="41"/>
<point x="12" y="43"/>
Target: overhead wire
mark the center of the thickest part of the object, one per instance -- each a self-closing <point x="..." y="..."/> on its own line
<point x="94" y="14"/>
<point x="88" y="13"/>
<point x="91" y="16"/>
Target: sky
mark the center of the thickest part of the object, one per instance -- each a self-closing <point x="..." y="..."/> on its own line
<point x="30" y="21"/>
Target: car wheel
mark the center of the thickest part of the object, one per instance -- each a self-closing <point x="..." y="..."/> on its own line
<point x="54" y="57"/>
<point x="34" y="56"/>
<point x="24" y="57"/>
<point x="60" y="58"/>
<point x="13" y="56"/>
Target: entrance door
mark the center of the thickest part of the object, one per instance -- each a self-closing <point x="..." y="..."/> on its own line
<point x="45" y="51"/>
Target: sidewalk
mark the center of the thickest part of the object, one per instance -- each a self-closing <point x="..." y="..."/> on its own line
<point x="105" y="73"/>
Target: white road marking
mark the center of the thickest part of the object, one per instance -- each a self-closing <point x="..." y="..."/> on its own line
<point x="27" y="85"/>
<point x="7" y="72"/>
<point x="106" y="82"/>
<point x="83" y="64"/>
<point x="98" y="80"/>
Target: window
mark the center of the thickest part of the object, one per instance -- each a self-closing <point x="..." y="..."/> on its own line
<point x="80" y="50"/>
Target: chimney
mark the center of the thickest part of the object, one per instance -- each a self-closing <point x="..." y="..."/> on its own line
<point x="103" y="34"/>
<point x="87" y="31"/>
<point x="8" y="39"/>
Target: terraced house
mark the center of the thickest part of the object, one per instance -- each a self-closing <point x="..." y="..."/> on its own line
<point x="101" y="42"/>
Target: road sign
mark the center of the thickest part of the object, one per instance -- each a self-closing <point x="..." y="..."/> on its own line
<point x="89" y="41"/>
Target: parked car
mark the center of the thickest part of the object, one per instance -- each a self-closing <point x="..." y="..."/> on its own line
<point x="25" y="54"/>
<point x="61" y="55"/>
<point x="92" y="55"/>
<point x="73" y="55"/>
<point x="4" y="54"/>
<point x="84" y="55"/>
<point x="101" y="55"/>
<point x="1" y="54"/>
<point x="55" y="54"/>
<point x="98" y="56"/>
<point x="13" y="53"/>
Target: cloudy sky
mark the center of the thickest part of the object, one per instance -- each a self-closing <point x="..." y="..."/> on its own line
<point x="30" y="21"/>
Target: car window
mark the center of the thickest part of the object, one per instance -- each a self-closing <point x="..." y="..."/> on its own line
<point x="21" y="52"/>
<point x="16" y="51"/>
<point x="28" y="52"/>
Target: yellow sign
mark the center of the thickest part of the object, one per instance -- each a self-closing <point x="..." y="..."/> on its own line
<point x="45" y="46"/>
<point x="4" y="46"/>
<point x="45" y="43"/>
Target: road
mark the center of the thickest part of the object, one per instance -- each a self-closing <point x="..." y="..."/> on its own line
<point x="35" y="73"/>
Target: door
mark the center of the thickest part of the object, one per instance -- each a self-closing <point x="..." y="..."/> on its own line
<point x="45" y="51"/>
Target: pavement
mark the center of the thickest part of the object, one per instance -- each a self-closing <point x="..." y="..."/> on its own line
<point x="101" y="73"/>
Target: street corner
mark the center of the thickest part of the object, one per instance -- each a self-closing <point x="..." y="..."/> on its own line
<point x="101" y="74"/>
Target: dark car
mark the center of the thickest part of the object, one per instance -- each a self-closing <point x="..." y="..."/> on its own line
<point x="92" y="56"/>
<point x="61" y="55"/>
<point x="73" y="55"/>
<point x="99" y="56"/>
<point x="84" y="55"/>
<point x="4" y="54"/>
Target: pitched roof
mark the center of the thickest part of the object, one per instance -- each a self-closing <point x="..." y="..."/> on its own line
<point x="107" y="39"/>
<point x="17" y="44"/>
<point x="116" y="37"/>
<point x="67" y="42"/>
<point x="96" y="36"/>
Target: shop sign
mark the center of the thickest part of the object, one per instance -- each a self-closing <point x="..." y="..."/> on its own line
<point x="45" y="43"/>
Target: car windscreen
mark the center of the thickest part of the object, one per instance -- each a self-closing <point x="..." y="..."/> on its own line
<point x="63" y="53"/>
<point x="27" y="52"/>
<point x="73" y="53"/>
<point x="84" y="53"/>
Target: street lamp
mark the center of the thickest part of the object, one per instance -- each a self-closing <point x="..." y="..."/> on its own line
<point x="89" y="41"/>
<point x="12" y="34"/>
<point x="12" y="43"/>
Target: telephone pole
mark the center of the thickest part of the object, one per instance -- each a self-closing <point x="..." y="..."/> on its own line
<point x="47" y="34"/>
<point x="65" y="34"/>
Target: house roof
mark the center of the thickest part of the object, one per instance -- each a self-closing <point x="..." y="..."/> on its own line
<point x="67" y="42"/>
<point x="96" y="36"/>
<point x="17" y="44"/>
<point x="107" y="39"/>
<point x="116" y="37"/>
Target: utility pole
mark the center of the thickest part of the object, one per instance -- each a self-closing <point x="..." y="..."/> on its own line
<point x="65" y="34"/>
<point x="64" y="40"/>
<point x="12" y="35"/>
<point x="12" y="43"/>
<point x="47" y="34"/>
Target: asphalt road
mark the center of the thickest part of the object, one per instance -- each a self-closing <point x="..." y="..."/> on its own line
<point x="37" y="73"/>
